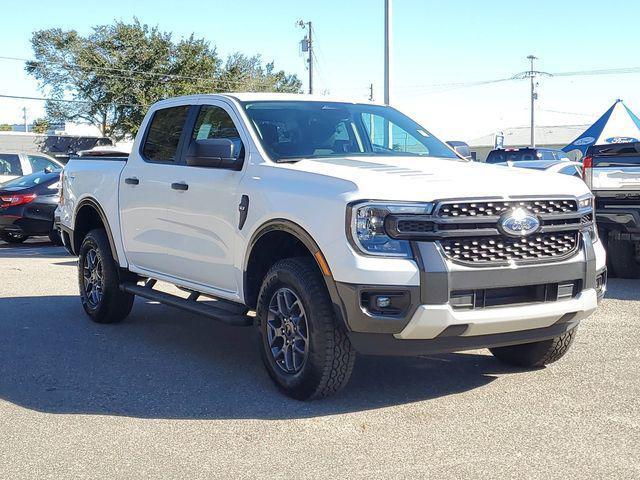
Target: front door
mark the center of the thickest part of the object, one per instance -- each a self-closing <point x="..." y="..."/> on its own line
<point x="204" y="216"/>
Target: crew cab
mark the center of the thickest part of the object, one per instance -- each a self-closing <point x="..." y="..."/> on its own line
<point x="613" y="174"/>
<point x="332" y="228"/>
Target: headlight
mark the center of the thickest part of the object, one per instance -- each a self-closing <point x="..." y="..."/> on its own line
<point x="586" y="201"/>
<point x="367" y="230"/>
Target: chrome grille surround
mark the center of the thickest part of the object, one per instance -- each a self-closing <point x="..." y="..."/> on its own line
<point x="467" y="231"/>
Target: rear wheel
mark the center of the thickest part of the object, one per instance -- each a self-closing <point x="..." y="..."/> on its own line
<point x="537" y="354"/>
<point x="305" y="351"/>
<point x="99" y="281"/>
<point x="10" y="237"/>
<point x="625" y="258"/>
<point x="54" y="237"/>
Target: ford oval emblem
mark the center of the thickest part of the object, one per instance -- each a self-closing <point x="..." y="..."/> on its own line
<point x="519" y="223"/>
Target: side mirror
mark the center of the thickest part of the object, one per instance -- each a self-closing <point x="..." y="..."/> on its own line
<point x="213" y="153"/>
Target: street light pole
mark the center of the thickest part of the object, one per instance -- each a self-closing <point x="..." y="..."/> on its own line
<point x="532" y="74"/>
<point x="534" y="95"/>
<point x="307" y="46"/>
<point x="387" y="51"/>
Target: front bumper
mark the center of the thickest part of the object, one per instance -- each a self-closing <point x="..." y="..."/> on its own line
<point x="436" y="320"/>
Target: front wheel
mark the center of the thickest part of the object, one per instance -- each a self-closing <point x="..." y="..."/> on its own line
<point x="537" y="354"/>
<point x="99" y="281"/>
<point x="306" y="352"/>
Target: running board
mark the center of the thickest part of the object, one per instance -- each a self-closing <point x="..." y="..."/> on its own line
<point x="190" y="304"/>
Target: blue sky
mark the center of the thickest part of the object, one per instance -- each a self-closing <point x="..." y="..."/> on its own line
<point x="435" y="42"/>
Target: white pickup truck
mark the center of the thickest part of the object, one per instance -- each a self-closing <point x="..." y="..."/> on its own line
<point x="332" y="228"/>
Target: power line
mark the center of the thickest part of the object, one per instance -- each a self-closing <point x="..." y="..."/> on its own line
<point x="62" y="100"/>
<point x="130" y="74"/>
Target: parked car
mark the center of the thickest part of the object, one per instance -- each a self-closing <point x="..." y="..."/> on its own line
<point x="462" y="149"/>
<point x="613" y="174"/>
<point x="346" y="227"/>
<point x="524" y="154"/>
<point x="16" y="164"/>
<point x="564" y="167"/>
<point x="27" y="206"/>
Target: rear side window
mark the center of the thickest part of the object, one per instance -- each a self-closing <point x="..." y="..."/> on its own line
<point x="163" y="134"/>
<point x="215" y="122"/>
<point x="39" y="163"/>
<point x="10" y="164"/>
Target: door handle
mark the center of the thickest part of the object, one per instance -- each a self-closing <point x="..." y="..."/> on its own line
<point x="131" y="181"/>
<point x="180" y="186"/>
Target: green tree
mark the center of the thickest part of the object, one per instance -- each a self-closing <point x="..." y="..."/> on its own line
<point x="40" y="125"/>
<point x="110" y="77"/>
<point x="5" y="127"/>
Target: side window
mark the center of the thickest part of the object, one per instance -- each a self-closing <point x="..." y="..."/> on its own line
<point x="10" y="164"/>
<point x="163" y="134"/>
<point x="400" y="141"/>
<point x="215" y="122"/>
<point x="39" y="164"/>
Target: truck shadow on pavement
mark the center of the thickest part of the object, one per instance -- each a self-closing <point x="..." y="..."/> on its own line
<point x="163" y="363"/>
<point x="622" y="289"/>
<point x="32" y="249"/>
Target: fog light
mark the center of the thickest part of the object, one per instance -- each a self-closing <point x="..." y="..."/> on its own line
<point x="383" y="302"/>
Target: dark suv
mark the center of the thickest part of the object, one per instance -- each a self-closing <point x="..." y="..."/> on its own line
<point x="507" y="155"/>
<point x="613" y="174"/>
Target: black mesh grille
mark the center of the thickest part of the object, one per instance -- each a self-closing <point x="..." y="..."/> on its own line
<point x="487" y="209"/>
<point x="414" y="226"/>
<point x="479" y="250"/>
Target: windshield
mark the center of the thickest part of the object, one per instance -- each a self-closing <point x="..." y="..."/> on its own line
<point x="31" y="180"/>
<point x="310" y="129"/>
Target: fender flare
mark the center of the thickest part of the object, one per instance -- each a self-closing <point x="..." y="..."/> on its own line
<point x="284" y="225"/>
<point x="93" y="203"/>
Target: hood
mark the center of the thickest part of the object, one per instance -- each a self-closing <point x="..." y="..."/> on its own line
<point x="428" y="178"/>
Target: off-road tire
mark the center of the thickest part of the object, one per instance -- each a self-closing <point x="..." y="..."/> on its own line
<point x="115" y="304"/>
<point x="622" y="254"/>
<point x="537" y="354"/>
<point x="331" y="357"/>
<point x="12" y="238"/>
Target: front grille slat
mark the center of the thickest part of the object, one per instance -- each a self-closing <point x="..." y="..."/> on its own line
<point x="500" y="249"/>
<point x="498" y="207"/>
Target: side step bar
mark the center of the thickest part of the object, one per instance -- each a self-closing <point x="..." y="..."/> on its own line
<point x="190" y="304"/>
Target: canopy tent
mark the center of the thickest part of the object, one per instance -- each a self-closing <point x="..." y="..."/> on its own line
<point x="617" y="125"/>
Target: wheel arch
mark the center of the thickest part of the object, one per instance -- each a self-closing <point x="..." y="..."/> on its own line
<point x="257" y="261"/>
<point x="89" y="215"/>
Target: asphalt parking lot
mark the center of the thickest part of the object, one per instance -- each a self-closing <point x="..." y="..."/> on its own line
<point x="171" y="395"/>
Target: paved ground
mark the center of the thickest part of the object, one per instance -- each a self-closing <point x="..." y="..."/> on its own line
<point x="171" y="395"/>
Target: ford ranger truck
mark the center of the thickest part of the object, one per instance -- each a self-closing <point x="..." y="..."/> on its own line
<point x="332" y="228"/>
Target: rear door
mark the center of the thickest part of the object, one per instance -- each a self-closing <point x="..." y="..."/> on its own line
<point x="145" y="190"/>
<point x="204" y="215"/>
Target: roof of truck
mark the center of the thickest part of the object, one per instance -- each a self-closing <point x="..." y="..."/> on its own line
<point x="283" y="97"/>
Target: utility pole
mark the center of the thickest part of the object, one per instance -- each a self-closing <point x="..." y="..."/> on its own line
<point x="387" y="51"/>
<point x="24" y="118"/>
<point x="371" y="98"/>
<point x="307" y="46"/>
<point x="532" y="75"/>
